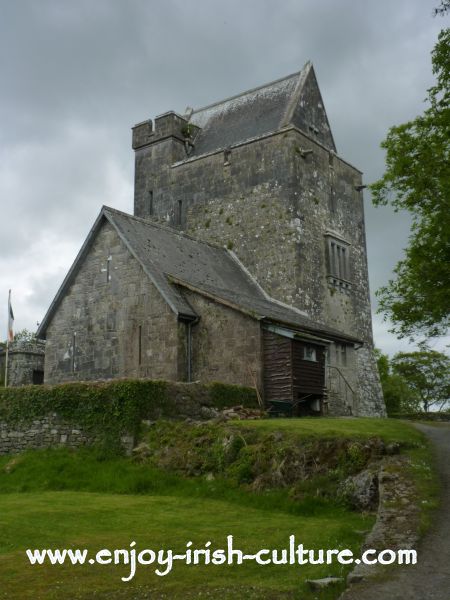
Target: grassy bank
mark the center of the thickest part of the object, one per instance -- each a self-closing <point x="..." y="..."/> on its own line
<point x="194" y="483"/>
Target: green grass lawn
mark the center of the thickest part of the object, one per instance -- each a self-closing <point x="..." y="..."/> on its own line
<point x="389" y="430"/>
<point x="65" y="499"/>
<point x="96" y="521"/>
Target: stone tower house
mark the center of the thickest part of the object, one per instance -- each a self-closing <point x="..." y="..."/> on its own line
<point x="259" y="173"/>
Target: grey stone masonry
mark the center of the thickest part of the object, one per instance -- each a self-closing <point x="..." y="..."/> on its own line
<point x="283" y="200"/>
<point x="226" y="344"/>
<point x="112" y="322"/>
<point x="25" y="362"/>
<point x="192" y="401"/>
<point x="43" y="432"/>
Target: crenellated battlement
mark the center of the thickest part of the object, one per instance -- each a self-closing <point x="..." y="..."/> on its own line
<point x="167" y="125"/>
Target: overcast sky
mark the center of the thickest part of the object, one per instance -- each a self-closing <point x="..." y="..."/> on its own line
<point x="76" y="75"/>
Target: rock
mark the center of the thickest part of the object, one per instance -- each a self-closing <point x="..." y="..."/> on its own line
<point x="208" y="412"/>
<point x="141" y="452"/>
<point x="355" y="578"/>
<point x="361" y="490"/>
<point x="10" y="465"/>
<point x="320" y="584"/>
<point x="393" y="448"/>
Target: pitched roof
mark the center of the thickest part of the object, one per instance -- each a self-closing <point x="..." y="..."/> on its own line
<point x="254" y="113"/>
<point x="173" y="261"/>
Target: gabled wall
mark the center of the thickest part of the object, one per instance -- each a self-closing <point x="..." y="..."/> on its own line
<point x="106" y="319"/>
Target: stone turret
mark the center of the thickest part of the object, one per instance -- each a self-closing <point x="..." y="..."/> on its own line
<point x="157" y="147"/>
<point x="25" y="362"/>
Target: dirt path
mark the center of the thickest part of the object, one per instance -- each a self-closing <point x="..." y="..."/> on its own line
<point x="430" y="578"/>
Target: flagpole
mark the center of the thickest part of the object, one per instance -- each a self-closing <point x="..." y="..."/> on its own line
<point x="9" y="333"/>
<point x="6" y="363"/>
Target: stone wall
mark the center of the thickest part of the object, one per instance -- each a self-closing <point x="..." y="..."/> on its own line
<point x="112" y="321"/>
<point x="226" y="344"/>
<point x="276" y="208"/>
<point x="185" y="401"/>
<point x="25" y="362"/>
<point x="44" y="432"/>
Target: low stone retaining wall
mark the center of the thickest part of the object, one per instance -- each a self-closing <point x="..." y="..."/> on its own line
<point x="397" y="525"/>
<point x="44" y="432"/>
<point x="47" y="416"/>
<point x="49" y="432"/>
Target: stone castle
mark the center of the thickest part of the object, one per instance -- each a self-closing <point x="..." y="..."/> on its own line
<point x="244" y="262"/>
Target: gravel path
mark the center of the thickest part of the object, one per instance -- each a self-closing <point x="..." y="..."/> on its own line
<point x="430" y="578"/>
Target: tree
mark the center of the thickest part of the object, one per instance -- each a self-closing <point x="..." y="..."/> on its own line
<point x="417" y="179"/>
<point x="24" y="335"/>
<point x="427" y="374"/>
<point x="443" y="8"/>
<point x="398" y="396"/>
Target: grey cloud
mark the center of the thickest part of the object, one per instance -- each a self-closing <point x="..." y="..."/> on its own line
<point x="77" y="75"/>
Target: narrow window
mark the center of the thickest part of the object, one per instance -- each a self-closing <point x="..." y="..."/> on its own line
<point x="344" y="263"/>
<point x="150" y="203"/>
<point x="74" y="349"/>
<point x="108" y="269"/>
<point x="333" y="269"/>
<point x="140" y="345"/>
<point x="332" y="196"/>
<point x="180" y="212"/>
<point x="338" y="262"/>
<point x="341" y="355"/>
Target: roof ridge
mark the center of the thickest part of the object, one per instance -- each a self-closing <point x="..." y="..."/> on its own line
<point x="255" y="89"/>
<point x="167" y="228"/>
<point x="291" y="105"/>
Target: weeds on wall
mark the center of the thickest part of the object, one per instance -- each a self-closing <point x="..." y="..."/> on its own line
<point x="109" y="410"/>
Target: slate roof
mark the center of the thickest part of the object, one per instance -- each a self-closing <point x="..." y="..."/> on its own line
<point x="173" y="261"/>
<point x="249" y="115"/>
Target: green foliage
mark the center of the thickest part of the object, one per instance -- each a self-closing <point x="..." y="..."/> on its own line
<point x="443" y="9"/>
<point x="24" y="335"/>
<point x="361" y="428"/>
<point x="87" y="470"/>
<point x="110" y="409"/>
<point x="188" y="130"/>
<point x="417" y="179"/>
<point x="399" y="397"/>
<point x="77" y="498"/>
<point x="427" y="374"/>
<point x="223" y="395"/>
<point x="265" y="460"/>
